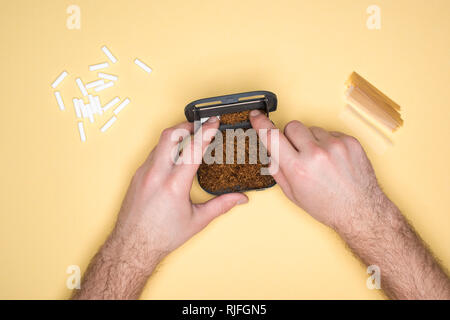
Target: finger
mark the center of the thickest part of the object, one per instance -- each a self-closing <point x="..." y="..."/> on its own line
<point x="280" y="150"/>
<point x="205" y="212"/>
<point x="347" y="139"/>
<point x="299" y="135"/>
<point x="192" y="154"/>
<point x="332" y="142"/>
<point x="160" y="151"/>
<point x="174" y="135"/>
<point x="281" y="179"/>
<point x="337" y="134"/>
<point x="165" y="151"/>
<point x="320" y="134"/>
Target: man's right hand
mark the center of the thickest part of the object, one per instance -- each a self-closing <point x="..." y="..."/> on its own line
<point x="326" y="173"/>
<point x="329" y="175"/>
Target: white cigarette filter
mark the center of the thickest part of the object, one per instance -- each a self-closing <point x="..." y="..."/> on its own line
<point x="59" y="100"/>
<point x="107" y="76"/>
<point x="59" y="79"/>
<point x="95" y="105"/>
<point x="99" y="66"/>
<point x="81" y="86"/>
<point x="92" y="104"/>
<point x="95" y="83"/>
<point x="103" y="87"/>
<point x="81" y="131"/>
<point x="110" y="104"/>
<point x="76" y="106"/>
<point x="90" y="113"/>
<point x="121" y="106"/>
<point x="83" y="109"/>
<point x="108" y="124"/>
<point x="109" y="54"/>
<point x="98" y="105"/>
<point x="142" y="65"/>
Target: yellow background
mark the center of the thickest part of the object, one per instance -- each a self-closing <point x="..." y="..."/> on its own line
<point x="60" y="197"/>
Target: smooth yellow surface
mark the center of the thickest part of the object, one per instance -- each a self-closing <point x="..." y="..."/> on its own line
<point x="60" y="197"/>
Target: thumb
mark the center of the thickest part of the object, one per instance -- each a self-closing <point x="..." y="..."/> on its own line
<point x="205" y="212"/>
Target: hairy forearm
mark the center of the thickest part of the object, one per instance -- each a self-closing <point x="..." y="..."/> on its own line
<point x="381" y="236"/>
<point x="119" y="270"/>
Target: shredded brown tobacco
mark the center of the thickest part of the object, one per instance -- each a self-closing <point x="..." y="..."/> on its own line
<point x="221" y="178"/>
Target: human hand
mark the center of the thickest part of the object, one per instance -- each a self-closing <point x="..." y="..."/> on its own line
<point x="329" y="175"/>
<point x="157" y="215"/>
<point x="326" y="173"/>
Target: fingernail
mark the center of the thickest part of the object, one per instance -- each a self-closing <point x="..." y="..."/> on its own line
<point x="242" y="201"/>
<point x="212" y="119"/>
<point x="255" y="113"/>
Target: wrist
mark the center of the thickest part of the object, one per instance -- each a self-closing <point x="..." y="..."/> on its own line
<point x="137" y="253"/>
<point x="119" y="270"/>
<point x="369" y="218"/>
